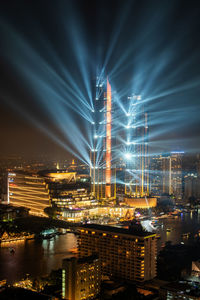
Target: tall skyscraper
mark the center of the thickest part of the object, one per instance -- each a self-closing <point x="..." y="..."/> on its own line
<point x="102" y="169"/>
<point x="136" y="154"/>
<point x="160" y="175"/>
<point x="156" y="178"/>
<point x="166" y="174"/>
<point x="176" y="174"/>
<point x="191" y="186"/>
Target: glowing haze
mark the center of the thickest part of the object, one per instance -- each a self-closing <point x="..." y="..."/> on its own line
<point x="51" y="51"/>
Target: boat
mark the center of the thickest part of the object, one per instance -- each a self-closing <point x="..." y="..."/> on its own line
<point x="168" y="229"/>
<point x="185" y="235"/>
<point x="12" y="250"/>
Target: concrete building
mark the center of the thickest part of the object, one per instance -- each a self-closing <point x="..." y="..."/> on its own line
<point x="81" y="278"/>
<point x="128" y="254"/>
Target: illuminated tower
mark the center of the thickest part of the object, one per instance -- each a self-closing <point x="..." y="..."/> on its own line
<point x="136" y="154"/>
<point x="101" y="170"/>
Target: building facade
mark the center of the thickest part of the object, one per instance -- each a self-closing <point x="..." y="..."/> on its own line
<point x="176" y="174"/>
<point x="102" y="169"/>
<point x="104" y="212"/>
<point x="191" y="186"/>
<point x="81" y="278"/>
<point x="29" y="191"/>
<point x="136" y="153"/>
<point x="161" y="175"/>
<point x="124" y="253"/>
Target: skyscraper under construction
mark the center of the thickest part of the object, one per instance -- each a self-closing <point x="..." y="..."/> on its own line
<point x="136" y="154"/>
<point x="102" y="170"/>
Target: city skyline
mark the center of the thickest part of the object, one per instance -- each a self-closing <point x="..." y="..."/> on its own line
<point x="46" y="83"/>
<point x="100" y="149"/>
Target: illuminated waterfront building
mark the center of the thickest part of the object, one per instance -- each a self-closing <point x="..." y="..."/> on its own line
<point x="69" y="189"/>
<point x="128" y="254"/>
<point x="144" y="202"/>
<point x="81" y="278"/>
<point x="136" y="154"/>
<point x="29" y="191"/>
<point x="72" y="197"/>
<point x="102" y="169"/>
<point x="103" y="211"/>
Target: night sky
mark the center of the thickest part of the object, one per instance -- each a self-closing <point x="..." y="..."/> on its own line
<point x="50" y="49"/>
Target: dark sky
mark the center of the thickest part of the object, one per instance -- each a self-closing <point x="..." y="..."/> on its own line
<point x="49" y="50"/>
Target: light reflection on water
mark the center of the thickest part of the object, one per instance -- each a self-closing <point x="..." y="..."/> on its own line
<point x="185" y="223"/>
<point x="40" y="257"/>
<point x="35" y="257"/>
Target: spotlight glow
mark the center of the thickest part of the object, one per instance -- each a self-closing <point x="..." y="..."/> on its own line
<point x="128" y="156"/>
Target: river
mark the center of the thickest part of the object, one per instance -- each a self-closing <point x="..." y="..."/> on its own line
<point x="38" y="258"/>
<point x="35" y="257"/>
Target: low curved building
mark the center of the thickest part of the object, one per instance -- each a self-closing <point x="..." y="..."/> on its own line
<point x="144" y="202"/>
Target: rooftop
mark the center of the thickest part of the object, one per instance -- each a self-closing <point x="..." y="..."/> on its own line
<point x="134" y="230"/>
<point x="183" y="287"/>
<point x="82" y="260"/>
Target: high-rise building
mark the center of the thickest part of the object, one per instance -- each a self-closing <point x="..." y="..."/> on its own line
<point x="160" y="175"/>
<point x="128" y="254"/>
<point x="191" y="186"/>
<point x="156" y="175"/>
<point x="176" y="174"/>
<point x="136" y="154"/>
<point x="102" y="169"/>
<point x="81" y="278"/>
<point x="29" y="191"/>
<point x="166" y="174"/>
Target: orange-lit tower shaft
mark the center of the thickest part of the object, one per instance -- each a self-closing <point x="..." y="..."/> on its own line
<point x="108" y="140"/>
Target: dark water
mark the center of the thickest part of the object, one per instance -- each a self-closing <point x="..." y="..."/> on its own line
<point x="35" y="257"/>
<point x="186" y="223"/>
<point x="39" y="258"/>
